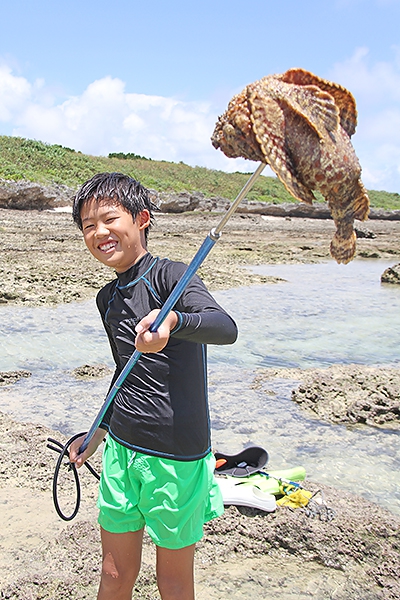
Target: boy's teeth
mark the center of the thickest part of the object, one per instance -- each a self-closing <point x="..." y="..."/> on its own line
<point x="107" y="246"/>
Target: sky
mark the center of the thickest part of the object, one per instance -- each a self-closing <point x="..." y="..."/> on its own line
<point x="152" y="77"/>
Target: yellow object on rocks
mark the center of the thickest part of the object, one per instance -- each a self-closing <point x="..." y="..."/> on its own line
<point x="294" y="499"/>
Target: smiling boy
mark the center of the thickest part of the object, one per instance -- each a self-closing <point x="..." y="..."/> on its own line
<point x="157" y="461"/>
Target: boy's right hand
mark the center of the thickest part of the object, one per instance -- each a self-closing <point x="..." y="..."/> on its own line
<point x="94" y="443"/>
<point x="154" y="341"/>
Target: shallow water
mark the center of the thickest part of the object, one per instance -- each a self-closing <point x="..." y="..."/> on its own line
<point x="320" y="315"/>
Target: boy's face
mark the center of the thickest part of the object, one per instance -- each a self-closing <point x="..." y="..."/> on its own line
<point x="111" y="234"/>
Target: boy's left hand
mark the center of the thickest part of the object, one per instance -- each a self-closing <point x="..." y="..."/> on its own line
<point x="147" y="341"/>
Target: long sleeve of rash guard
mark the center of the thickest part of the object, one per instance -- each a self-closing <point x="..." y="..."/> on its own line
<point x="200" y="318"/>
<point x="211" y="327"/>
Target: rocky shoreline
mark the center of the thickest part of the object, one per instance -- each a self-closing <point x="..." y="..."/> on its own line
<point x="44" y="261"/>
<point x="245" y="553"/>
<point x="28" y="195"/>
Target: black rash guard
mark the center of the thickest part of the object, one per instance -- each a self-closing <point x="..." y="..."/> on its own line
<point x="162" y="407"/>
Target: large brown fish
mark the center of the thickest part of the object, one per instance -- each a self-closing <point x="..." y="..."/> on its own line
<point x="301" y="125"/>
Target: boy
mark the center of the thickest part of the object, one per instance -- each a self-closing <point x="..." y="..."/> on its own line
<point x="157" y="462"/>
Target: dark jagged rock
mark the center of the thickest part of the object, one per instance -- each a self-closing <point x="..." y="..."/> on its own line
<point x="90" y="371"/>
<point x="189" y="201"/>
<point x="391" y="275"/>
<point x="27" y="195"/>
<point x="9" y="377"/>
<point x="363" y="232"/>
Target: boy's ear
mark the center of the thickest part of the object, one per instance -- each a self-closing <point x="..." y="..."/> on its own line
<point x="143" y="219"/>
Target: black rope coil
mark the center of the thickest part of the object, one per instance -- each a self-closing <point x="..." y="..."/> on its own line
<point x="63" y="451"/>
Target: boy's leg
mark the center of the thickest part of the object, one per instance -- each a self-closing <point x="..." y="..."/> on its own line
<point x="175" y="577"/>
<point x="122" y="553"/>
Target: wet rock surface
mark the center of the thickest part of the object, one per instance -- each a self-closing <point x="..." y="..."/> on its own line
<point x="44" y="260"/>
<point x="352" y="394"/>
<point x="391" y="275"/>
<point x="90" y="371"/>
<point x="9" y="377"/>
<point x="244" y="554"/>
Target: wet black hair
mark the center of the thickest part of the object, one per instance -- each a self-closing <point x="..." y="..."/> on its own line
<point x="116" y="187"/>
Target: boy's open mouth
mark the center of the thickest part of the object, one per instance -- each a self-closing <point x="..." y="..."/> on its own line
<point x="107" y="246"/>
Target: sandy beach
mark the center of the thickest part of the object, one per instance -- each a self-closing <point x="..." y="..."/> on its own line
<point x="244" y="554"/>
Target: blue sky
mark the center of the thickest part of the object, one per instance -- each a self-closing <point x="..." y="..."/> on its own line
<point x="152" y="77"/>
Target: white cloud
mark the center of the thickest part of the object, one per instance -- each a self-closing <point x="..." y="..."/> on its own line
<point x="376" y="88"/>
<point x="105" y="118"/>
<point x="14" y="93"/>
<point x="373" y="82"/>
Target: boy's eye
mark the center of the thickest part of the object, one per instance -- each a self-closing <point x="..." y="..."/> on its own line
<point x="86" y="227"/>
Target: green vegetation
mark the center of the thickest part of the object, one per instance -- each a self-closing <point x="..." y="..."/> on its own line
<point x="386" y="200"/>
<point x="44" y="163"/>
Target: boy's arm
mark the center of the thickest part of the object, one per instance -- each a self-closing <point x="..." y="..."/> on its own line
<point x="200" y="318"/>
<point x="201" y="328"/>
<point x="206" y="327"/>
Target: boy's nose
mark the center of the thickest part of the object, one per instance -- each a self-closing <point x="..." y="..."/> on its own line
<point x="101" y="230"/>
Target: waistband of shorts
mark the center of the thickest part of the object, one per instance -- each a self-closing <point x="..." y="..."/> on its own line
<point x="150" y="452"/>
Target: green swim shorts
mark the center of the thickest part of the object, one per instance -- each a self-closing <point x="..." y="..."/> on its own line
<point x="172" y="499"/>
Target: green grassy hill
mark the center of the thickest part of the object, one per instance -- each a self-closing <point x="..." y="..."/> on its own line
<point x="44" y="163"/>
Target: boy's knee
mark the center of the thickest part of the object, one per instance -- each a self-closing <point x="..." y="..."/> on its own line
<point x="113" y="581"/>
<point x="109" y="568"/>
<point x="171" y="588"/>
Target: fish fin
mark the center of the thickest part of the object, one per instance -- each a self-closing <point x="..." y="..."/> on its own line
<point x="344" y="100"/>
<point x="269" y="128"/>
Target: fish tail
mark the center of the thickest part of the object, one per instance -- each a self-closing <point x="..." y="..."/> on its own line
<point x="343" y="246"/>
